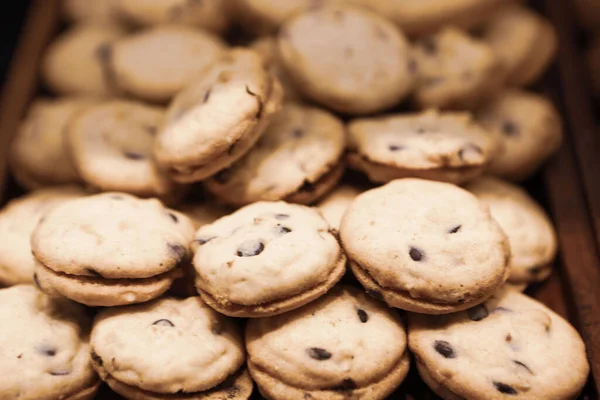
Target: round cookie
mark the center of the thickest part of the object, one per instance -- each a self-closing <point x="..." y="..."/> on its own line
<point x="425" y="246"/>
<point x="347" y="58"/>
<point x="170" y="349"/>
<point x="110" y="249"/>
<point x="45" y="347"/>
<point x="524" y="41"/>
<point x="78" y="61"/>
<point x="157" y="63"/>
<point x="447" y="147"/>
<point x="455" y="70"/>
<point x="532" y="237"/>
<point x="509" y="347"/>
<point x="265" y="259"/>
<point x="218" y="118"/>
<point x="111" y="146"/>
<point x="18" y="219"/>
<point x="266" y="46"/>
<point x="211" y="15"/>
<point x="299" y="150"/>
<point x="336" y="203"/>
<point x="38" y="155"/>
<point x="417" y="18"/>
<point x="528" y="128"/>
<point x="344" y="345"/>
<point x="96" y="11"/>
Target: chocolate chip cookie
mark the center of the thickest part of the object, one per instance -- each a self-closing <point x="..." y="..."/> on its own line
<point x="110" y="249"/>
<point x="530" y="232"/>
<point x="45" y="347"/>
<point x="425" y="246"/>
<point x="529" y="130"/>
<point x="218" y="118"/>
<point x="344" y="345"/>
<point x="297" y="159"/>
<point x="336" y="203"/>
<point x="455" y="70"/>
<point x="170" y="349"/>
<point x="511" y="346"/>
<point x="265" y="259"/>
<point x="448" y="147"/>
<point x="347" y="59"/>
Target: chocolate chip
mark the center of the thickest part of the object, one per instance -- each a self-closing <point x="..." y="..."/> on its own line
<point x="47" y="351"/>
<point x="223" y="176"/>
<point x="97" y="359"/>
<point x="504" y="388"/>
<point x="281" y="216"/>
<point x="416" y="254"/>
<point x="444" y="348"/>
<point x="318" y="353"/>
<point x="523" y="365"/>
<point x="173" y="217"/>
<point x="250" y="248"/>
<point x="281" y="230"/>
<point x="259" y="101"/>
<point x="477" y="313"/>
<point x="20" y="356"/>
<point x="510" y="129"/>
<point x="298" y="133"/>
<point x="104" y="52"/>
<point x="206" y="95"/>
<point x="469" y="148"/>
<point x="204" y="239"/>
<point x="535" y="270"/>
<point x="347" y="384"/>
<point x="429" y="46"/>
<point x="178" y="251"/>
<point x="396" y="147"/>
<point x="93" y="272"/>
<point x="163" y="322"/>
<point x="362" y="315"/>
<point x="421" y="131"/>
<point x="455" y="229"/>
<point x="375" y="294"/>
<point x="134" y="156"/>
<point x="151" y="130"/>
<point x="60" y="372"/>
<point x="36" y="281"/>
<point x="306" y="187"/>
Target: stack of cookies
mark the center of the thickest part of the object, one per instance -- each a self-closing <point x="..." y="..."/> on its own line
<point x="314" y="213"/>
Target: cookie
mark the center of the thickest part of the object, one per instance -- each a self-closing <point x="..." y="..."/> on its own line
<point x="347" y="58"/>
<point x="110" y="249"/>
<point x="524" y="41"/>
<point x="45" y="347"/>
<point x="111" y="147"/>
<point x="211" y="15"/>
<point x="170" y="349"/>
<point x="267" y="47"/>
<point x="218" y="118"/>
<point x="425" y="246"/>
<point x="528" y="128"/>
<point x="509" y="347"/>
<point x="97" y="11"/>
<point x="454" y="70"/>
<point x="77" y="62"/>
<point x="157" y="63"/>
<point x="344" y="345"/>
<point x="418" y="18"/>
<point x="17" y="220"/>
<point x="265" y="259"/>
<point x="532" y="237"/>
<point x="38" y="155"/>
<point x="336" y="203"/>
<point x="448" y="147"/>
<point x="299" y="149"/>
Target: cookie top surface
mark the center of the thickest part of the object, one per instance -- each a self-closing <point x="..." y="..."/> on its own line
<point x="347" y="58"/>
<point x="112" y="235"/>
<point x="336" y="203"/>
<point x="529" y="129"/>
<point x="44" y="340"/>
<point x="432" y="240"/>
<point x="301" y="144"/>
<point x="532" y="238"/>
<point x="263" y="252"/>
<point x="453" y="69"/>
<point x="223" y="106"/>
<point x="111" y="146"/>
<point x="40" y="141"/>
<point x="427" y="140"/>
<point x="18" y="219"/>
<point x="168" y="345"/>
<point x="510" y="346"/>
<point x="77" y="61"/>
<point x="157" y="63"/>
<point x="341" y="337"/>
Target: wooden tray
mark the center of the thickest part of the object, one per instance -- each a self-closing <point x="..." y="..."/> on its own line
<point x="569" y="185"/>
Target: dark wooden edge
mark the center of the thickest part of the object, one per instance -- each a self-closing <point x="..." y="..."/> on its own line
<point x="578" y="108"/>
<point x="22" y="78"/>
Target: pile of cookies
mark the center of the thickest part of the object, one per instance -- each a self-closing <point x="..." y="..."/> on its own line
<point x="309" y="197"/>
